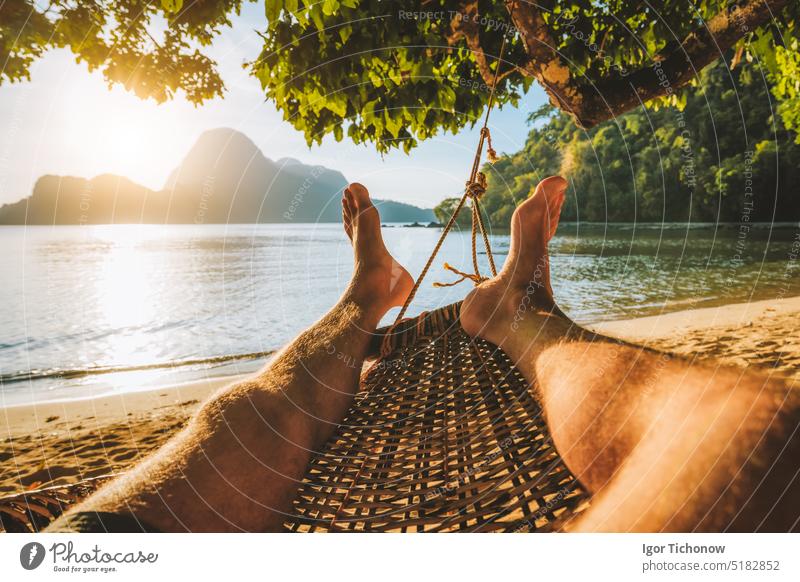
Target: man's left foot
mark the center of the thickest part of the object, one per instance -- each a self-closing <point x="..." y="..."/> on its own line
<point x="378" y="280"/>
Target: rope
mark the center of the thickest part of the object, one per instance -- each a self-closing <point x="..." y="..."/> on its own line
<point x="475" y="188"/>
<point x="475" y="266"/>
<point x="477" y="279"/>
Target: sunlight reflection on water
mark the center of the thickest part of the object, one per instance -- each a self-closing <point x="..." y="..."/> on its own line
<point x="77" y="298"/>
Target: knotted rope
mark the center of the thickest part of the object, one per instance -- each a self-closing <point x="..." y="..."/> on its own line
<point x="475" y="188"/>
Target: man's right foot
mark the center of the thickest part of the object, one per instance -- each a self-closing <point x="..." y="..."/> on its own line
<point x="521" y="294"/>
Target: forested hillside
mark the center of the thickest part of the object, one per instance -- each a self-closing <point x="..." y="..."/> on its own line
<point x="725" y="157"/>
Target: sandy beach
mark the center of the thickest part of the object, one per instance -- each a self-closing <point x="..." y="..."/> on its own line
<point x="62" y="442"/>
<point x="761" y="334"/>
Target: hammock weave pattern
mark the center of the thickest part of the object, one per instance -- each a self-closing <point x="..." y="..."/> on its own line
<point x="33" y="511"/>
<point x="445" y="435"/>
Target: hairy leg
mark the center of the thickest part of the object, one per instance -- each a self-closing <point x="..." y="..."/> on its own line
<point x="237" y="465"/>
<point x="662" y="444"/>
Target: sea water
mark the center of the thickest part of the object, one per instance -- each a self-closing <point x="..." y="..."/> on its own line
<point x="108" y="308"/>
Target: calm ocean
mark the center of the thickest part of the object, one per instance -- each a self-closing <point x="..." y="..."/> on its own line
<point x="91" y="309"/>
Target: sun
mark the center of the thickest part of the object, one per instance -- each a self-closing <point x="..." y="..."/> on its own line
<point x="125" y="135"/>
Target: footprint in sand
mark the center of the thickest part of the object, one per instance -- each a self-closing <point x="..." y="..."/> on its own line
<point x="767" y="344"/>
<point x="46" y="475"/>
<point x="97" y="462"/>
<point x="119" y="457"/>
<point x="90" y="448"/>
<point x="66" y="447"/>
<point x="95" y="473"/>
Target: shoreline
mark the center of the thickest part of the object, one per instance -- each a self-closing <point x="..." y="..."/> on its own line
<point x="146" y="379"/>
<point x="63" y="441"/>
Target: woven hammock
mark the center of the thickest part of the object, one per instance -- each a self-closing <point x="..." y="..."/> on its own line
<point x="443" y="436"/>
<point x="444" y="433"/>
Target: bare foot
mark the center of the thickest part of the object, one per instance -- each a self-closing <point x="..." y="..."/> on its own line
<point x="378" y="281"/>
<point x="520" y="295"/>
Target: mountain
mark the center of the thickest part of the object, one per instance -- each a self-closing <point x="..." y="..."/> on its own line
<point x="225" y="178"/>
<point x="105" y="199"/>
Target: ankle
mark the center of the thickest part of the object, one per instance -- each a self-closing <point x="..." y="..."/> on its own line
<point x="365" y="308"/>
<point x="531" y="328"/>
<point x="537" y="330"/>
<point x="528" y="302"/>
<point x="514" y="316"/>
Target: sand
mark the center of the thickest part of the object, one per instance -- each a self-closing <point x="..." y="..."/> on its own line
<point x="63" y="442"/>
<point x="764" y="335"/>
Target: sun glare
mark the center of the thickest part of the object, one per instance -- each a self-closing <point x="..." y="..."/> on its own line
<point x="125" y="135"/>
<point x="124" y="292"/>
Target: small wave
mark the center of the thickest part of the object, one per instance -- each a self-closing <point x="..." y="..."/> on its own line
<point x="82" y="372"/>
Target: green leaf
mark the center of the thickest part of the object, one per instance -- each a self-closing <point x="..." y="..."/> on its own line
<point x="329" y="7"/>
<point x="368" y="113"/>
<point x="172" y="6"/>
<point x="337" y="103"/>
<point x="393" y="124"/>
<point x="317" y="17"/>
<point x="272" y="9"/>
<point x="376" y="79"/>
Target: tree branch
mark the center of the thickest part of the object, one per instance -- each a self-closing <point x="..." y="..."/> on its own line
<point x="467" y="28"/>
<point x="545" y="64"/>
<point x="590" y="105"/>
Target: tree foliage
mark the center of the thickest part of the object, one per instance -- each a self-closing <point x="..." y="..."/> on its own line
<point x="153" y="49"/>
<point x="366" y="70"/>
<point x="394" y="73"/>
<point x="444" y="210"/>
<point x="726" y="156"/>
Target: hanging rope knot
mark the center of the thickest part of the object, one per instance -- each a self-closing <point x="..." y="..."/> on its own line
<point x="491" y="155"/>
<point x="477" y="188"/>
<point x="475" y="278"/>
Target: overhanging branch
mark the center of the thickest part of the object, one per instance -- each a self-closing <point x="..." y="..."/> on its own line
<point x="545" y="64"/>
<point x="592" y="104"/>
<point x="465" y="26"/>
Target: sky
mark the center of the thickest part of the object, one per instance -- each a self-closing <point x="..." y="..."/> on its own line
<point x="67" y="121"/>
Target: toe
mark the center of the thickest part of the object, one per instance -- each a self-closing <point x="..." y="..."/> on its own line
<point x="347" y="207"/>
<point x="555" y="203"/>
<point x="360" y="195"/>
<point x="551" y="187"/>
<point x="347" y="218"/>
<point x="552" y="190"/>
<point x="350" y="205"/>
<point x="544" y="206"/>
